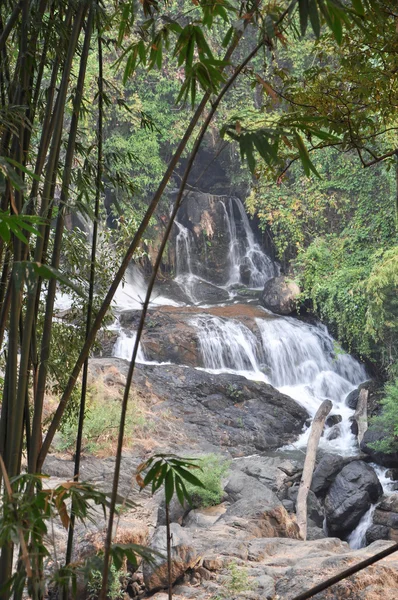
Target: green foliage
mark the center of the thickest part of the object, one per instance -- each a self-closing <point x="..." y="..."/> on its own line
<point x="172" y="472"/>
<point x="387" y="421"/>
<point x="382" y="311"/>
<point x="214" y="468"/>
<point x="28" y="510"/>
<point x="101" y="425"/>
<point x="236" y="582"/>
<point x="94" y="584"/>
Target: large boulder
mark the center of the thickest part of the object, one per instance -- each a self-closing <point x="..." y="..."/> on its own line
<point x="349" y="497"/>
<point x="256" y="509"/>
<point x="385" y="521"/>
<point x="375" y="395"/>
<point x="183" y="557"/>
<point x="326" y="472"/>
<point x="280" y="295"/>
<point x="377" y="434"/>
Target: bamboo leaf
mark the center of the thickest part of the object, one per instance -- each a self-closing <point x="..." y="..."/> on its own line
<point x="188" y="476"/>
<point x="303" y="12"/>
<point x="314" y="17"/>
<point x="169" y="486"/>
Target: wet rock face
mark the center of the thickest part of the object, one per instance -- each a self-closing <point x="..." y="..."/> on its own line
<point x="372" y="435"/>
<point x="228" y="410"/>
<point x="385" y="521"/>
<point x="204" y="216"/>
<point x="280" y="295"/>
<point x="352" y="492"/>
<point x="170" y="336"/>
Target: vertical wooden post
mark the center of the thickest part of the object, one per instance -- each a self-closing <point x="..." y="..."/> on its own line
<point x="309" y="464"/>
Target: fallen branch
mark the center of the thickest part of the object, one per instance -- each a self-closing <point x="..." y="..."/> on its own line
<point x="309" y="464"/>
<point x="361" y="415"/>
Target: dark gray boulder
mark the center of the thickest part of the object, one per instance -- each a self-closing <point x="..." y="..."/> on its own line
<point x="377" y="532"/>
<point x="315" y="512"/>
<point x="352" y="492"/>
<point x="280" y="295"/>
<point x="326" y="472"/>
<point x="352" y="399"/>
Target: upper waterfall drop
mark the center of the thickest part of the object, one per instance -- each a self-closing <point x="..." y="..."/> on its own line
<point x="215" y="245"/>
<point x="245" y="253"/>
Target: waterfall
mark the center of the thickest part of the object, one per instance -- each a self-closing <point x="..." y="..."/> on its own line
<point x="227" y="344"/>
<point x="244" y="252"/>
<point x="131" y="293"/>
<point x="247" y="263"/>
<point x="185" y="276"/>
<point x="297" y="358"/>
<point x="357" y="537"/>
<point x="124" y="346"/>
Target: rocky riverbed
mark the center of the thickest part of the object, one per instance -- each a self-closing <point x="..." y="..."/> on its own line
<point x="248" y="546"/>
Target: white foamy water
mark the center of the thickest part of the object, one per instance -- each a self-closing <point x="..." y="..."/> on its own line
<point x="297" y="358"/>
<point x="124" y="347"/>
<point x="357" y="537"/>
<point x="244" y="251"/>
<point x="131" y="293"/>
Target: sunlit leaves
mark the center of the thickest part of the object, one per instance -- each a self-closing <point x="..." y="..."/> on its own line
<point x="16" y="224"/>
<point x="334" y="13"/>
<point x="206" y="75"/>
<point x="169" y="471"/>
<point x="10" y="171"/>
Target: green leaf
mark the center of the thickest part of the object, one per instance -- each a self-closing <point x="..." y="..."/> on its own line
<point x="179" y="490"/>
<point x="303" y="12"/>
<point x="169" y="486"/>
<point x="21" y="167"/>
<point x="304" y="156"/>
<point x="358" y="7"/>
<point x="4" y="232"/>
<point x="188" y="476"/>
<point x="228" y="37"/>
<point x="314" y="17"/>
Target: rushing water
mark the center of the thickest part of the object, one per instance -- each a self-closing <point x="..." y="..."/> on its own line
<point x="244" y="254"/>
<point x="357" y="537"/>
<point x="299" y="359"/>
<point x="244" y="251"/>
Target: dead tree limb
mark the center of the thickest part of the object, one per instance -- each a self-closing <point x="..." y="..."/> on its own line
<point x="361" y="414"/>
<point x="309" y="464"/>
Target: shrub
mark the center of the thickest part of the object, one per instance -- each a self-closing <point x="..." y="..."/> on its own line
<point x="236" y="582"/>
<point x="214" y="468"/>
<point x="94" y="585"/>
<point x="101" y="424"/>
<point x="387" y="422"/>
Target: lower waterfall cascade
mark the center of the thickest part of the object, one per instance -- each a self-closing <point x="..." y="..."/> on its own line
<point x="299" y="358"/>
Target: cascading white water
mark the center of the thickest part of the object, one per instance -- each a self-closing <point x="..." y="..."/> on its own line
<point x="228" y="345"/>
<point x="244" y="250"/>
<point x="297" y="358"/>
<point x="124" y="347"/>
<point x="243" y="253"/>
<point x="130" y="294"/>
<point x="357" y="537"/>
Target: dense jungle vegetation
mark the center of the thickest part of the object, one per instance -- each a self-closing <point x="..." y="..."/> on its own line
<point x="105" y="104"/>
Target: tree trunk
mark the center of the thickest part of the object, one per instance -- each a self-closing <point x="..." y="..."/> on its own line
<point x="361" y="414"/>
<point x="309" y="464"/>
